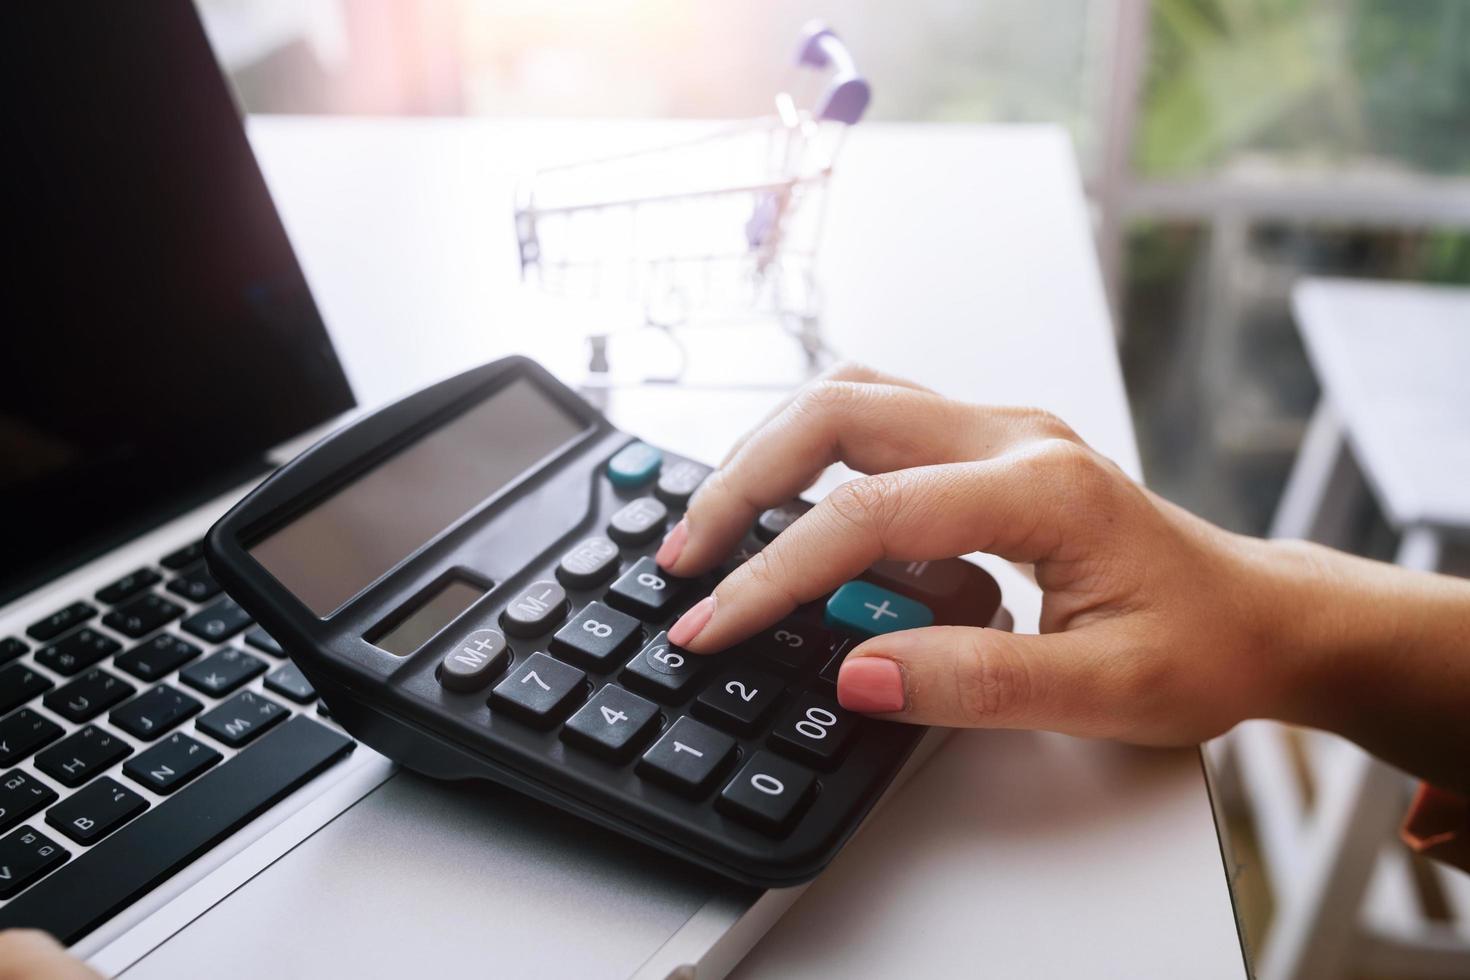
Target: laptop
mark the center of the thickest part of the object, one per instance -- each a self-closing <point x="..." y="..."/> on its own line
<point x="162" y="353"/>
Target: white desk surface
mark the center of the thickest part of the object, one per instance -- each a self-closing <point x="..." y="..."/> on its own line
<point x="1394" y="359"/>
<point x="959" y="256"/>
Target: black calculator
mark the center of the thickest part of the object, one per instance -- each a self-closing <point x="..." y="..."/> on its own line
<point x="466" y="576"/>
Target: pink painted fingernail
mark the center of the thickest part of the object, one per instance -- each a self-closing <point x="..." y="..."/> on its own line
<point x="689" y="624"/>
<point x="673" y="545"/>
<point x="869" y="684"/>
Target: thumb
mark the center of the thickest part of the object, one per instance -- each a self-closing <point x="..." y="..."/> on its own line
<point x="965" y="677"/>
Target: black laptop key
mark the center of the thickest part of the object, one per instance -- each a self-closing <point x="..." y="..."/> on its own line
<point x="185" y="556"/>
<point x="614" y="724"/>
<point x="77" y="651"/>
<point x="688" y="757"/>
<point x="646" y="591"/>
<point x="81" y="755"/>
<point x="95" y="811"/>
<point x="154" y="712"/>
<point x="23" y="733"/>
<point x="589" y="563"/>
<point x="678" y="481"/>
<point x="596" y="637"/>
<point x="88" y="695"/>
<point x="222" y="671"/>
<point x="814" y="730"/>
<point x="258" y="638"/>
<point x="61" y="621"/>
<point x="538" y="608"/>
<point x="242" y="719"/>
<point x="196" y="585"/>
<point x="128" y="586"/>
<point x="171" y="763"/>
<point x="20" y="796"/>
<point x="217" y="622"/>
<point x="288" y="681"/>
<point x="663" y="671"/>
<point x="638" y="521"/>
<point x="10" y="648"/>
<point x="25" y="856"/>
<point x="157" y="658"/>
<point x="18" y="684"/>
<point x="739" y="700"/>
<point x="767" y="793"/>
<point x="156" y="845"/>
<point x="539" y="690"/>
<point x="142" y="615"/>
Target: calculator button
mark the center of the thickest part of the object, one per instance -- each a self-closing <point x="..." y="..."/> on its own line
<point x="743" y="553"/>
<point x="288" y="681"/>
<point x="866" y="609"/>
<point x="81" y="755"/>
<point x="768" y="792"/>
<point x="87" y="696"/>
<point x="633" y="465"/>
<point x="688" y="757"/>
<point x="154" y="712"/>
<point x="638" y="521"/>
<point x="613" y="724"/>
<point x="663" y="671"/>
<point x="834" y="663"/>
<point x="791" y="646"/>
<point x="590" y="562"/>
<point x="217" y="622"/>
<point x="23" y="733"/>
<point x="20" y="796"/>
<point x="159" y="656"/>
<point x="476" y="661"/>
<point x="76" y="652"/>
<point x="739" y="700"/>
<point x="242" y="719"/>
<point x="778" y="519"/>
<point x="646" y="591"/>
<point x="535" y="610"/>
<point x="934" y="580"/>
<point x="171" y="763"/>
<point x="539" y="690"/>
<point x="27" y="855"/>
<point x="596" y="636"/>
<point x="91" y="814"/>
<point x="222" y="672"/>
<point x="814" y="730"/>
<point x="677" y="483"/>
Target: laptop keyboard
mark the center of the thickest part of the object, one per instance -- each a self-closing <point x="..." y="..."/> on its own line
<point x="139" y="728"/>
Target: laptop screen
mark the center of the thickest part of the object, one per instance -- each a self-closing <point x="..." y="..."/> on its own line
<point x="158" y="334"/>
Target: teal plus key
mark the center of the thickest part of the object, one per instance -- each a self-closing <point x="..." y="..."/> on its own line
<point x="864" y="608"/>
<point x="634" y="465"/>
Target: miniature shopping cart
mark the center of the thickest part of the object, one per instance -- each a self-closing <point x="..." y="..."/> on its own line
<point x="715" y="231"/>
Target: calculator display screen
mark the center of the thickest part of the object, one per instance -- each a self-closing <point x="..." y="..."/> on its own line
<point x="429" y="616"/>
<point x="335" y="549"/>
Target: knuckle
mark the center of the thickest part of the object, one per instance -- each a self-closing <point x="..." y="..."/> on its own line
<point x="990" y="680"/>
<point x="1049" y="425"/>
<point x="827" y="396"/>
<point x="850" y="371"/>
<point x="868" y="502"/>
<point x="1077" y="467"/>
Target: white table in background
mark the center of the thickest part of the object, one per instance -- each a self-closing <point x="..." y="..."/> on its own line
<point x="959" y="256"/>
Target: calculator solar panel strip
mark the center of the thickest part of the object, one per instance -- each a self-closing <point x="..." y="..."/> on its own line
<point x="454" y="507"/>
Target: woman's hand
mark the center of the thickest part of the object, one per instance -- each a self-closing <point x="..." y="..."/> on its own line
<point x="29" y="954"/>
<point x="1156" y="627"/>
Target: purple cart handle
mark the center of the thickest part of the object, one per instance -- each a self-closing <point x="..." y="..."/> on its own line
<point x="848" y="95"/>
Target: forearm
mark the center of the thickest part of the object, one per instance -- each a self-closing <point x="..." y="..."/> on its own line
<point x="1378" y="654"/>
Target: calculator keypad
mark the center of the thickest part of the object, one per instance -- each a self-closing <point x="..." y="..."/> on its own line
<point x="662" y="670"/>
<point x="646" y="591"/>
<point x="539" y="690"/>
<point x="614" y="724"/>
<point x="597" y="636"/>
<point x="688" y="757"/>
